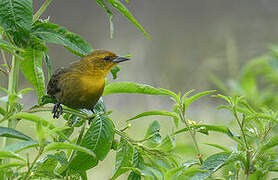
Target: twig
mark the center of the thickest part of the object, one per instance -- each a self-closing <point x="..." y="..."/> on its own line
<point x="41" y="10"/>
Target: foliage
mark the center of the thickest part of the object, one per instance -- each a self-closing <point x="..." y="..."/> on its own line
<point x="59" y="155"/>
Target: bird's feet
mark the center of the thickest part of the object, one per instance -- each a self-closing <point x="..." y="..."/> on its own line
<point x="57" y="110"/>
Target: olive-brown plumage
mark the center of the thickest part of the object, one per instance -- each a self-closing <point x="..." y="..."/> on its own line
<point x="81" y="84"/>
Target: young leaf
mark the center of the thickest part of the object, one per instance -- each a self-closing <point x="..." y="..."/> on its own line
<point x="193" y="98"/>
<point x="161" y="113"/>
<point x="153" y="135"/>
<point x="11" y="133"/>
<point x="31" y="67"/>
<point x="17" y="147"/>
<point x="53" y="33"/>
<point x="8" y="154"/>
<point x="218" y="146"/>
<point x="16" y="17"/>
<point x="59" y="145"/>
<point x="272" y="142"/>
<point x="132" y="87"/>
<point x="98" y="139"/>
<point x="124" y="11"/>
<point x="123" y="159"/>
<point x="167" y="144"/>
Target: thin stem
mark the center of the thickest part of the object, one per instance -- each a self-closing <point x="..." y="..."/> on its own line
<point x="41" y="10"/>
<point x="27" y="175"/>
<point x="5" y="60"/>
<point x="244" y="139"/>
<point x="13" y="81"/>
<point x="4" y="57"/>
<point x="192" y="134"/>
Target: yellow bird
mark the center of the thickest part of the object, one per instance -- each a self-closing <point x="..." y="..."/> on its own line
<point x="81" y="84"/>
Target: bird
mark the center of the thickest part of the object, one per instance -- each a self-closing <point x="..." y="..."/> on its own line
<point x="80" y="85"/>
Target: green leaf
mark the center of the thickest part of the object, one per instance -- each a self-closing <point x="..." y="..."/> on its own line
<point x="48" y="164"/>
<point x="272" y="142"/>
<point x="31" y="67"/>
<point x="6" y="46"/>
<point x="16" y="17"/>
<point x="8" y="154"/>
<point x="17" y="147"/>
<point x="12" y="164"/>
<point x="60" y="145"/>
<point x="115" y="71"/>
<point x="218" y="146"/>
<point x="211" y="164"/>
<point x="192" y="171"/>
<point x="205" y="127"/>
<point x="34" y="118"/>
<point x="11" y="133"/>
<point x="98" y="139"/>
<point x="124" y="11"/>
<point x="167" y="144"/>
<point x="153" y="135"/>
<point x="193" y="98"/>
<point x="110" y="16"/>
<point x="123" y="159"/>
<point x="53" y="33"/>
<point x="132" y="87"/>
<point x="161" y="113"/>
<point x="137" y="162"/>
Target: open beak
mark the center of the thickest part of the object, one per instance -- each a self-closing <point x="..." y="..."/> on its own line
<point x="119" y="59"/>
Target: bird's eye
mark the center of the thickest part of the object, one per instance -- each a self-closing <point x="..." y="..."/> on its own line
<point x="106" y="58"/>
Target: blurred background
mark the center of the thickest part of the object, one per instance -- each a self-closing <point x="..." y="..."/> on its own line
<point x="191" y="40"/>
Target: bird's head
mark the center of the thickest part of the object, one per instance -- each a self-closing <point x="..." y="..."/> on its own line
<point x="104" y="60"/>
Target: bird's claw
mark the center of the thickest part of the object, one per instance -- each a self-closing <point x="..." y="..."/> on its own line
<point x="57" y="110"/>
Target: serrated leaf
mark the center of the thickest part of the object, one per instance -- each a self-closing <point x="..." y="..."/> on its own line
<point x="132" y="87"/>
<point x="167" y="144"/>
<point x="17" y="147"/>
<point x="16" y="18"/>
<point x="124" y="11"/>
<point x="153" y="135"/>
<point x="60" y="145"/>
<point x="46" y="165"/>
<point x="9" y="154"/>
<point x="272" y="142"/>
<point x="123" y="159"/>
<point x="98" y="139"/>
<point x="193" y="98"/>
<point x="211" y="164"/>
<point x="53" y="33"/>
<point x="160" y="113"/>
<point x="11" y="133"/>
<point x="31" y="67"/>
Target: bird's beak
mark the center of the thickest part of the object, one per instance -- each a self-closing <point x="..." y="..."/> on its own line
<point x="119" y="59"/>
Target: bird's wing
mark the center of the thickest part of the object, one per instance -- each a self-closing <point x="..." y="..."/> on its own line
<point x="53" y="87"/>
